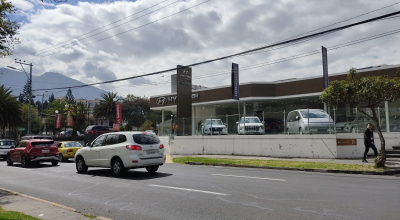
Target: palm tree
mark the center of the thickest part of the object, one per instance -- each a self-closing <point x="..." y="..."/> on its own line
<point x="10" y="111"/>
<point x="106" y="107"/>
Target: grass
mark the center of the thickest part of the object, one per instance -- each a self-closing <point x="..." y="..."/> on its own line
<point x="89" y="216"/>
<point x="278" y="163"/>
<point x="11" y="215"/>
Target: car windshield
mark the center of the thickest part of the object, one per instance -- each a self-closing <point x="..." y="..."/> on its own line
<point x="145" y="139"/>
<point x="250" y="120"/>
<point x="314" y="114"/>
<point x="7" y="143"/>
<point x="214" y="122"/>
<point x="73" y="144"/>
<point x="43" y="144"/>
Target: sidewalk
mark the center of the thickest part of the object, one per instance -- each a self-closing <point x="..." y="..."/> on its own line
<point x="371" y="160"/>
<point x="39" y="208"/>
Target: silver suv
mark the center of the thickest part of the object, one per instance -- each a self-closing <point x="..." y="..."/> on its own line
<point x="250" y="125"/>
<point x="216" y="125"/>
<point x="318" y="121"/>
<point x="5" y="146"/>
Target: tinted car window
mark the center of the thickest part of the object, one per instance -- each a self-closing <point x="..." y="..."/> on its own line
<point x="121" y="138"/>
<point x="73" y="144"/>
<point x="43" y="144"/>
<point x="111" y="139"/>
<point x="21" y="145"/>
<point x="7" y="143"/>
<point x="99" y="141"/>
<point x="145" y="139"/>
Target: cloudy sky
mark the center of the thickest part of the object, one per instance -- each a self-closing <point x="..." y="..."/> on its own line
<point x="94" y="41"/>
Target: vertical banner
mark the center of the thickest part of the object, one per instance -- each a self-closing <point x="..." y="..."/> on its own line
<point x="58" y="121"/>
<point x="325" y="67"/>
<point x="69" y="119"/>
<point x="235" y="81"/>
<point x="184" y="100"/>
<point x="118" y="113"/>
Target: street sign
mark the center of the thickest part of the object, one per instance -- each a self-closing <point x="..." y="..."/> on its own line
<point x="344" y="142"/>
<point x="21" y="129"/>
<point x="116" y="127"/>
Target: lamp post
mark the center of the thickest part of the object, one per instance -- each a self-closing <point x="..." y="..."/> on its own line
<point x="56" y="111"/>
<point x="41" y="115"/>
<point x="65" y="127"/>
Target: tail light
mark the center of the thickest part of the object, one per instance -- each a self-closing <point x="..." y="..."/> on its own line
<point x="162" y="146"/>
<point x="91" y="132"/>
<point x="133" y="147"/>
<point x="70" y="150"/>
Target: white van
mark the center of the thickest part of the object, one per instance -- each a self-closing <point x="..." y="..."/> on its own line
<point x="318" y="122"/>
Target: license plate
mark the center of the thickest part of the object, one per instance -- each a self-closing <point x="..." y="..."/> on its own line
<point x="152" y="151"/>
<point x="45" y="151"/>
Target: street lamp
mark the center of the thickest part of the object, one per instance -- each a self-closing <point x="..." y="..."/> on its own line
<point x="41" y="115"/>
<point x="55" y="129"/>
<point x="65" y="127"/>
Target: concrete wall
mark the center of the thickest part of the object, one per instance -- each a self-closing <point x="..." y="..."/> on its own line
<point x="306" y="146"/>
<point x="303" y="146"/>
<point x="357" y="151"/>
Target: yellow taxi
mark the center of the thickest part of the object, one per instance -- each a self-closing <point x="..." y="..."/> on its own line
<point x="67" y="149"/>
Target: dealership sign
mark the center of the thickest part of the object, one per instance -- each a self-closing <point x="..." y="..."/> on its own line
<point x="118" y="113"/>
<point x="235" y="81"/>
<point x="58" y="121"/>
<point x="173" y="99"/>
<point x="325" y="67"/>
<point x="69" y="119"/>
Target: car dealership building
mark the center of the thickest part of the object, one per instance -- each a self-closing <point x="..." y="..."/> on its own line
<point x="271" y="102"/>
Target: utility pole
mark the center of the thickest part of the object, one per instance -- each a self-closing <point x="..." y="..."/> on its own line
<point x="30" y="91"/>
<point x="41" y="115"/>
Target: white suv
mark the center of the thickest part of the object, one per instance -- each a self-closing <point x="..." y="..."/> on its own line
<point x="121" y="151"/>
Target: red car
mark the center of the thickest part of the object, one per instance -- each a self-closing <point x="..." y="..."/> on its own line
<point x="33" y="151"/>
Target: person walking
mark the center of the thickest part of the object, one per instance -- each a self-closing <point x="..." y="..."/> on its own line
<point x="369" y="142"/>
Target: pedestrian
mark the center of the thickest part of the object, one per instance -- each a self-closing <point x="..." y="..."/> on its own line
<point x="369" y="142"/>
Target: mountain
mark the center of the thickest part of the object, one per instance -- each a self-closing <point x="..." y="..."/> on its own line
<point x="16" y="80"/>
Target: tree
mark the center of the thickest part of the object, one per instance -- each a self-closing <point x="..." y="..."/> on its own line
<point x="8" y="28"/>
<point x="25" y="94"/>
<point x="106" y="107"/>
<point x="45" y="104"/>
<point x="78" y="111"/>
<point x="365" y="93"/>
<point x="38" y="104"/>
<point x="69" y="97"/>
<point x="35" y="119"/>
<point x="10" y="111"/>
<point x="136" y="109"/>
<point x="147" y="125"/>
<point x="59" y="105"/>
<point x="51" y="98"/>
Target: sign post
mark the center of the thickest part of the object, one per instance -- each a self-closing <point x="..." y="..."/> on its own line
<point x="235" y="87"/>
<point x="184" y="100"/>
<point x="325" y="67"/>
<point x="118" y="113"/>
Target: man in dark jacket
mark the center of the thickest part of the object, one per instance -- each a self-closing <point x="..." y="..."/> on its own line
<point x="369" y="142"/>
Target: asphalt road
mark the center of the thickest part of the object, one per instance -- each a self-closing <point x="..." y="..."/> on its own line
<point x="200" y="192"/>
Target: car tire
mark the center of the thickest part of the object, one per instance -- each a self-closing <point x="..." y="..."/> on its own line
<point x="54" y="163"/>
<point x="152" y="169"/>
<point x="117" y="167"/>
<point x="61" y="157"/>
<point x="24" y="162"/>
<point x="81" y="165"/>
<point x="9" y="162"/>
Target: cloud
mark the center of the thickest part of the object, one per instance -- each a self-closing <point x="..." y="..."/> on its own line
<point x="23" y="5"/>
<point x="213" y="29"/>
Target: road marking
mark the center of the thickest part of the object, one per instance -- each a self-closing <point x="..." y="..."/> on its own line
<point x="192" y="190"/>
<point x="249" y="177"/>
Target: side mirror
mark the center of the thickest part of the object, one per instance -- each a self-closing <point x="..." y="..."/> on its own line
<point x="87" y="144"/>
<point x="237" y="122"/>
<point x="297" y="118"/>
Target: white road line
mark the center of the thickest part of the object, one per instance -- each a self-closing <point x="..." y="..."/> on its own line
<point x="192" y="190"/>
<point x="249" y="177"/>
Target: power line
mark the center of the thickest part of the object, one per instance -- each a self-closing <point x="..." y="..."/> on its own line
<point x="242" y="53"/>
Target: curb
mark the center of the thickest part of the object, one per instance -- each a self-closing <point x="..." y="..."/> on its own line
<point x="387" y="172"/>
<point x="51" y="203"/>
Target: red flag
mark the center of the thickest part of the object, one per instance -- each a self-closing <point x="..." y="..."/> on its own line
<point x="69" y="119"/>
<point x="58" y="121"/>
<point x="118" y="113"/>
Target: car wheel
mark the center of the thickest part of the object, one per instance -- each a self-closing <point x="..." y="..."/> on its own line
<point x="54" y="163"/>
<point x="9" y="162"/>
<point x="117" y="167"/>
<point x="24" y="162"/>
<point x="81" y="165"/>
<point x="61" y="157"/>
<point x="152" y="169"/>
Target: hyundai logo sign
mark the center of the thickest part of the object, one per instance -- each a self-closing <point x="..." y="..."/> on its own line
<point x="161" y="101"/>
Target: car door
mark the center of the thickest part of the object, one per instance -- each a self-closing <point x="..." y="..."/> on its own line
<point x="18" y="151"/>
<point x="107" y="151"/>
<point x="93" y="153"/>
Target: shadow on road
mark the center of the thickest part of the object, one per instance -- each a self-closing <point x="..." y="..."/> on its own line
<point x="129" y="175"/>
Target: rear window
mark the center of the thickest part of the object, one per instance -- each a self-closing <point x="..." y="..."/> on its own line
<point x="43" y="144"/>
<point x="72" y="144"/>
<point x="7" y="143"/>
<point x="46" y="138"/>
<point x="145" y="139"/>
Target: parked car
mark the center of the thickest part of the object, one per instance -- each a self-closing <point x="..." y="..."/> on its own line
<point x="121" y="151"/>
<point x="213" y="126"/>
<point x="93" y="131"/>
<point x="36" y="136"/>
<point x="67" y="149"/>
<point x="273" y="125"/>
<point x="250" y="125"/>
<point x="349" y="126"/>
<point x="317" y="119"/>
<point x="33" y="151"/>
<point x="5" y="146"/>
<point x="68" y="133"/>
